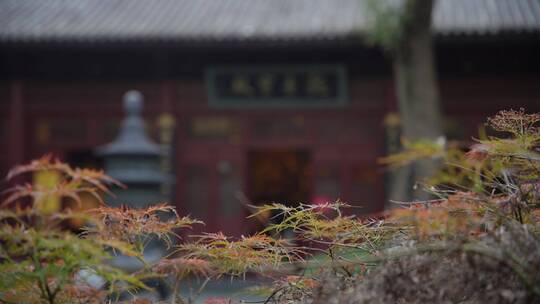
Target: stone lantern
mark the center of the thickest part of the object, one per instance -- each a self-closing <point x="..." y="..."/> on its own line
<point x="134" y="159"/>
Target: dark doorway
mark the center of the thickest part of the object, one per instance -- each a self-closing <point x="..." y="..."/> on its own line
<point x="281" y="176"/>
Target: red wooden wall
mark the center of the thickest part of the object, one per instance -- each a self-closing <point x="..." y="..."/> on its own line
<point x="65" y="117"/>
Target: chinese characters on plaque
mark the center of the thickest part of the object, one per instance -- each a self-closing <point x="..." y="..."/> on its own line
<point x="323" y="85"/>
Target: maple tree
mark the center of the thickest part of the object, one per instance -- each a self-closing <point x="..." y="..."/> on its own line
<point x="482" y="229"/>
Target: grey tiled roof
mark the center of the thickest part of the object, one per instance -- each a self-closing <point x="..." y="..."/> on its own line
<point x="231" y="20"/>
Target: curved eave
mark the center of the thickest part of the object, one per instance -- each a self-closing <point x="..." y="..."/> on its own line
<point x="201" y="41"/>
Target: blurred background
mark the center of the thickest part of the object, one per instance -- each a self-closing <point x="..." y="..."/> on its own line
<point x="250" y="101"/>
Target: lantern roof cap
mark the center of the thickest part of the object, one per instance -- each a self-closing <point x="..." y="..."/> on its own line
<point x="132" y="139"/>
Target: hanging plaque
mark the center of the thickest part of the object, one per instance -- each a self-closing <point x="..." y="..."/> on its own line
<point x="277" y="86"/>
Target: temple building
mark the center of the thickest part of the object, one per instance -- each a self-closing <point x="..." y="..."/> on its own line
<point x="255" y="101"/>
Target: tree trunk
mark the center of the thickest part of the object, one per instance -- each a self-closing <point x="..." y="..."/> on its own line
<point x="417" y="89"/>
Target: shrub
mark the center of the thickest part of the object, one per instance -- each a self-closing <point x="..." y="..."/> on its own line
<point x="477" y="241"/>
<point x="42" y="262"/>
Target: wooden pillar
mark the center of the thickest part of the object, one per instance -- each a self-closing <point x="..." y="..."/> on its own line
<point x="167" y="125"/>
<point x="16" y="124"/>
